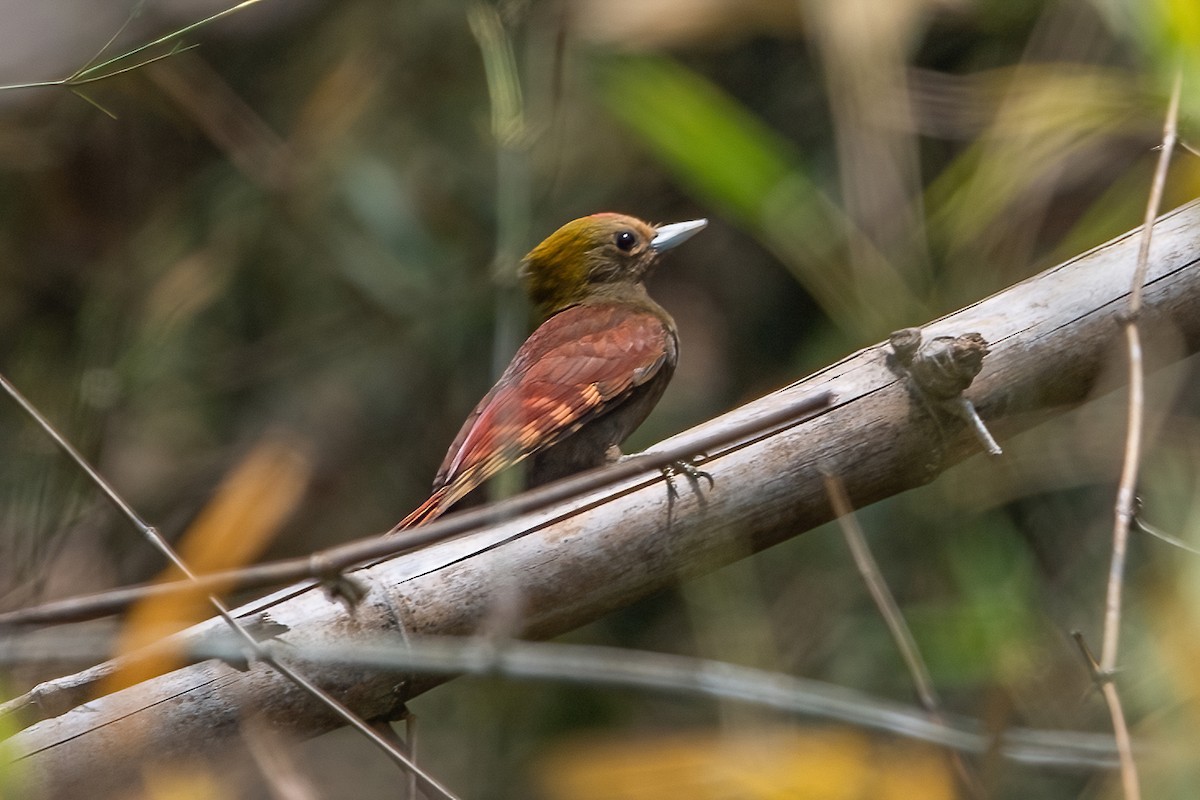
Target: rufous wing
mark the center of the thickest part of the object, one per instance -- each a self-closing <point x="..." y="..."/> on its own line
<point x="579" y="364"/>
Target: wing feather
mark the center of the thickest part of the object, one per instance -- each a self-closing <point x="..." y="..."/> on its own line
<point x="574" y="367"/>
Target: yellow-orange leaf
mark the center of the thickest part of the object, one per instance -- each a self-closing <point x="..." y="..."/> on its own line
<point x="243" y="517"/>
<point x="772" y="764"/>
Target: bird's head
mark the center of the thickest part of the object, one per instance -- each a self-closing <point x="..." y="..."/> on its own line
<point x="588" y="253"/>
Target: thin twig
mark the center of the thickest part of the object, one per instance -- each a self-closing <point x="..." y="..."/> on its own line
<point x="335" y="560"/>
<point x="880" y="593"/>
<point x="512" y="201"/>
<point x="892" y="616"/>
<point x="151" y="534"/>
<point x="109" y="492"/>
<point x="1159" y="533"/>
<point x="93" y="104"/>
<point x="1129" y="773"/>
<point x="410" y="730"/>
<point x="91" y="73"/>
<point x="130" y="17"/>
<point x="174" y="51"/>
<point x="1133" y="445"/>
<point x="176" y="34"/>
<point x="427" y="782"/>
<point x="277" y="765"/>
<point x="592" y="666"/>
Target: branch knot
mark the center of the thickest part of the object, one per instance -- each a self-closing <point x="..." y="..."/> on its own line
<point x="941" y="368"/>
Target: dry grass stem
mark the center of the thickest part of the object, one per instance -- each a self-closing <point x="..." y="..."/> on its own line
<point x="892" y="616"/>
<point x="1133" y="444"/>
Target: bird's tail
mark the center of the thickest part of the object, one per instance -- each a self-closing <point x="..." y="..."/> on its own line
<point x="438" y="503"/>
<point x="441" y="501"/>
<point x="444" y="497"/>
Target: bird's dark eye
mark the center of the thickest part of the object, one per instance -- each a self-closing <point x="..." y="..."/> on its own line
<point x="626" y="240"/>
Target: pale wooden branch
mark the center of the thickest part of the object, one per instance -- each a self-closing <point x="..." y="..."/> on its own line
<point x="1049" y="338"/>
<point x="329" y="565"/>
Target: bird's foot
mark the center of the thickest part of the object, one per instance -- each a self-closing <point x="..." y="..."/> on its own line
<point x="688" y="468"/>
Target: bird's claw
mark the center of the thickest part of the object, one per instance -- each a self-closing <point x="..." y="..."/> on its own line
<point x="687" y="467"/>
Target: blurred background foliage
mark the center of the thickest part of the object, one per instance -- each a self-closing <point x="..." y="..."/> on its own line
<point x="302" y="236"/>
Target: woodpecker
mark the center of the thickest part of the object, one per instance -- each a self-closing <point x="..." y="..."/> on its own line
<point x="587" y="377"/>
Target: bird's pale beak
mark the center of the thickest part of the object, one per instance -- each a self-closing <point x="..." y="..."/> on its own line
<point x="667" y="236"/>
